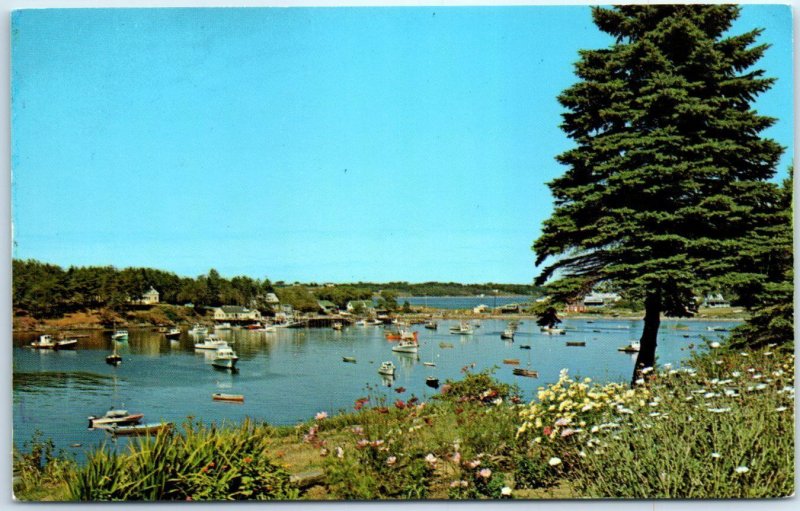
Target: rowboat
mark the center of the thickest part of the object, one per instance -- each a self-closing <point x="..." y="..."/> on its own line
<point x="524" y="346"/>
<point x="429" y="364"/>
<point x="526" y="372"/>
<point x="432" y="381"/>
<point x="236" y="398"/>
<point x="66" y="344"/>
<point x="511" y="361"/>
<point x="552" y="331"/>
<point x="351" y="360"/>
<point x="576" y="343"/>
<point x="139" y="429"/>
<point x="114" y="417"/>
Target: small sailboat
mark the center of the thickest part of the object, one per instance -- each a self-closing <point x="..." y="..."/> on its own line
<point x="115" y="358"/>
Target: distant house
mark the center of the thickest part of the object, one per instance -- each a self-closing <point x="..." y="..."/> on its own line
<point x="272" y="299"/>
<point x="480" y="309"/>
<point x="327" y="307"/>
<point x="600" y="299"/>
<point x="149" y="297"/>
<point x="716" y="301"/>
<point x="575" y="307"/>
<point x="236" y="313"/>
<point x="364" y="306"/>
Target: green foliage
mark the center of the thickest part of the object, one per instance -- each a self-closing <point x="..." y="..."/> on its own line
<point x="299" y="297"/>
<point x="668" y="180"/>
<point x="203" y="463"/>
<point x="387" y="300"/>
<point x="478" y="387"/>
<point x="341" y="294"/>
<point x="43" y="473"/>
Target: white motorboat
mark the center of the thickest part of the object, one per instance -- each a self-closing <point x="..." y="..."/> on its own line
<point x="507" y="334"/>
<point x="387" y="368"/>
<point x="198" y="329"/>
<point x="462" y="329"/>
<point x="225" y="358"/>
<point x="45" y="342"/>
<point x="223" y="326"/>
<point x="406" y="347"/>
<point x="633" y="347"/>
<point x="114" y="416"/>
<point x="212" y="342"/>
<point x="173" y="333"/>
<point x="120" y="335"/>
<point x="552" y="330"/>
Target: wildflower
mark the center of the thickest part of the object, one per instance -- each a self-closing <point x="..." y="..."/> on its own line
<point x="456" y="484"/>
<point x="647" y="370"/>
<point x="767" y="353"/>
<point x="742" y="353"/>
<point x="736" y="374"/>
<point x="554" y="461"/>
<point x="654" y="414"/>
<point x="505" y="491"/>
<point x="563" y="422"/>
<point x="582" y="454"/>
<point x="718" y="362"/>
<point x="780" y="409"/>
<point x="322" y="452"/>
<point x="567" y="432"/>
<point x="547" y="431"/>
<point x="362" y="443"/>
<point x="731" y="393"/>
<point x="339" y="452"/>
<point x="498" y="401"/>
<point x="761" y="386"/>
<point x="714" y="344"/>
<point x="321" y="415"/>
<point x="376" y="443"/>
<point x="741" y="469"/>
<point x="485" y="473"/>
<point x="473" y="463"/>
<point x="391" y="460"/>
<point x="358" y="430"/>
<point x="709" y="395"/>
<point x="719" y="410"/>
<point x="399" y="404"/>
<point x="640" y="381"/>
<point x="716" y="455"/>
<point x="431" y="459"/>
<point x="667" y="366"/>
<point x="779" y="372"/>
<point x="247" y="459"/>
<point x="757" y="376"/>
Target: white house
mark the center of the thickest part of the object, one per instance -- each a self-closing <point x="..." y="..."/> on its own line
<point x="272" y="299"/>
<point x="149" y="297"/>
<point x="236" y="313"/>
<point x="600" y="299"/>
<point x="716" y="301"/>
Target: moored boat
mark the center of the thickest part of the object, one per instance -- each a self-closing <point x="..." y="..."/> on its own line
<point x="114" y="416"/>
<point x="212" y="342"/>
<point x="429" y="364"/>
<point x="511" y="361"/>
<point x="552" y="330"/>
<point x="66" y="344"/>
<point x="235" y="398"/>
<point x="445" y="345"/>
<point x="633" y="347"/>
<point x="138" y="429"/>
<point x="225" y="358"/>
<point x="351" y="360"/>
<point x="525" y="372"/>
<point x="507" y="334"/>
<point x="431" y="325"/>
<point x="524" y="346"/>
<point x="198" y="329"/>
<point x="462" y="329"/>
<point x="387" y="368"/>
<point x="576" y="343"/>
<point x="120" y="335"/>
<point x="45" y="342"/>
<point x="406" y="347"/>
<point x="432" y="381"/>
<point x="173" y="333"/>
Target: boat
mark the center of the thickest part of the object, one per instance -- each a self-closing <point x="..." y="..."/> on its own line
<point x="351" y="360"/>
<point x="337" y="326"/>
<point x="402" y="335"/>
<point x="576" y="343"/>
<point x="114" y="416"/>
<point x="444" y="345"/>
<point x="431" y="325"/>
<point x="525" y="372"/>
<point x="361" y="322"/>
<point x="115" y="358"/>
<point x="387" y="368"/>
<point x="432" y="381"/>
<point x="223" y="326"/>
<point x="173" y="333"/>
<point x="524" y="346"/>
<point x="66" y="344"/>
<point x="511" y="361"/>
<point x="211" y="342"/>
<point x="120" y="335"/>
<point x="552" y="330"/>
<point x="236" y="398"/>
<point x="254" y="326"/>
<point x="507" y="334"/>
<point x="716" y="329"/>
<point x="406" y="347"/>
<point x="462" y="329"/>
<point x="429" y="364"/>
<point x="225" y="358"/>
<point x="138" y="429"/>
<point x="633" y="347"/>
<point x="45" y="342"/>
<point x="198" y="329"/>
<point x="375" y="322"/>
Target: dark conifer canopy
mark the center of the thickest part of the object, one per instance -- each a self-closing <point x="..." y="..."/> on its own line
<point x="668" y="177"/>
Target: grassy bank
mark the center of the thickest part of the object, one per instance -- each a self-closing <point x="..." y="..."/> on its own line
<point x="720" y="429"/>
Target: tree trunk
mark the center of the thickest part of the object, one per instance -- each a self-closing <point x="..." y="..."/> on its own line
<point x="648" y="341"/>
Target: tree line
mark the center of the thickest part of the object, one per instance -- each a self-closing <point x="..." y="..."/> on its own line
<point x="48" y="290"/>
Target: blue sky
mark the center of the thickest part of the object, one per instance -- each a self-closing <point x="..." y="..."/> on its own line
<point x="336" y="145"/>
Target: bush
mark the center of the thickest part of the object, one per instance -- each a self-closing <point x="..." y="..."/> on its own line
<point x="201" y="464"/>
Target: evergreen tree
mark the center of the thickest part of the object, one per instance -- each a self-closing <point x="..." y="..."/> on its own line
<point x="668" y="176"/>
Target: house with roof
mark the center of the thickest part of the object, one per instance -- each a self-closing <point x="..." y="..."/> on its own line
<point x="149" y="297"/>
<point x="601" y="299"/>
<point x="236" y="313"/>
<point x="715" y="301"/>
<point x="360" y="306"/>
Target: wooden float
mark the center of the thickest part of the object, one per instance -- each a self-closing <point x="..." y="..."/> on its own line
<point x="511" y="361"/>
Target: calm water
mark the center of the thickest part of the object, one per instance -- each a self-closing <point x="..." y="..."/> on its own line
<point x="288" y="376"/>
<point x="463" y="302"/>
